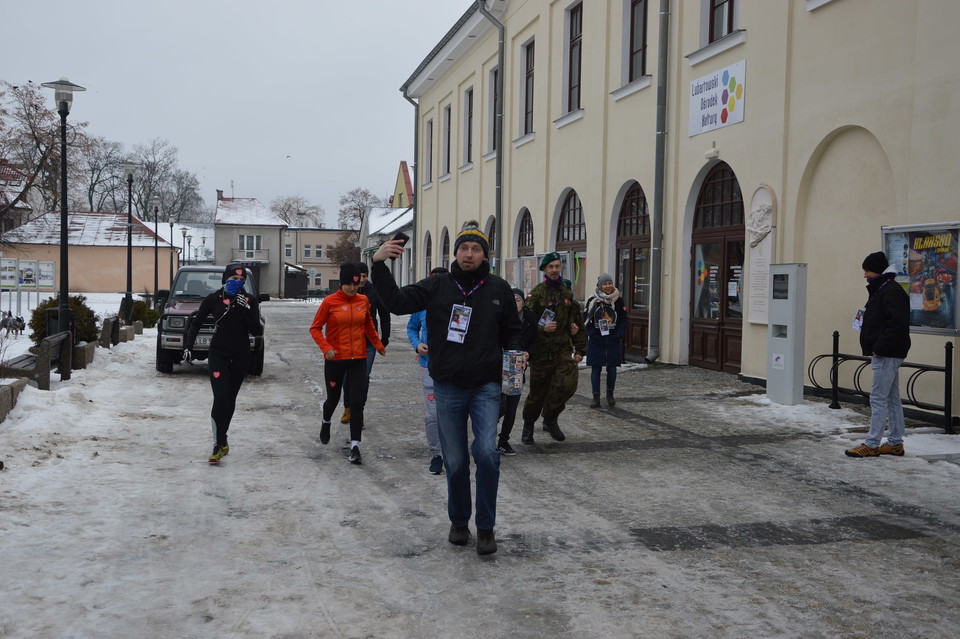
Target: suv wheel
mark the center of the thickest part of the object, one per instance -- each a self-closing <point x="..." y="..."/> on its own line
<point x="165" y="358"/>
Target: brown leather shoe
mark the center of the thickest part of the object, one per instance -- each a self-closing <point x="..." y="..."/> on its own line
<point x="887" y="449"/>
<point x="863" y="451"/>
<point x="346" y="416"/>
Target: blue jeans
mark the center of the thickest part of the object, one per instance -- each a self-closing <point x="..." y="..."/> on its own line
<point x="482" y="405"/>
<point x="611" y="378"/>
<point x="885" y="403"/>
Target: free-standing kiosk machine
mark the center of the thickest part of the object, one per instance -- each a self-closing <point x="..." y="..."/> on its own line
<point x="786" y="326"/>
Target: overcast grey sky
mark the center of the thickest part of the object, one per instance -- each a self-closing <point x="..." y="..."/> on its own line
<point x="282" y="97"/>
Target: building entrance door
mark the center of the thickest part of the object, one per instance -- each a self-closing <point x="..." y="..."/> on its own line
<point x="716" y="324"/>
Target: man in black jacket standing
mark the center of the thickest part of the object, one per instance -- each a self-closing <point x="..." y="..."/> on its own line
<point x="885" y="337"/>
<point x="471" y="320"/>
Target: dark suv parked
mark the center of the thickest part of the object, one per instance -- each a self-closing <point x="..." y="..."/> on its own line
<point x="192" y="284"/>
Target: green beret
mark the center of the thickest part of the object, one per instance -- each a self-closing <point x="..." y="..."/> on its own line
<point x="549" y="257"/>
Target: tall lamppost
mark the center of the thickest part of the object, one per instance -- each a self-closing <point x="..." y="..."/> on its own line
<point x="189" y="239"/>
<point x="172" y="248"/>
<point x="183" y="245"/>
<point x="155" y="201"/>
<point x="127" y="307"/>
<point x="63" y="95"/>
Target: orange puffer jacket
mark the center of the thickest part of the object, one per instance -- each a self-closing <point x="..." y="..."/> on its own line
<point x="347" y="320"/>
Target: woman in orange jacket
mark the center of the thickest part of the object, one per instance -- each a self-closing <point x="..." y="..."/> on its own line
<point x="346" y="316"/>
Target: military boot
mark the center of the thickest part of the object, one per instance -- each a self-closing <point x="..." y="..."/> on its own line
<point x="611" y="402"/>
<point x="596" y="401"/>
<point x="526" y="437"/>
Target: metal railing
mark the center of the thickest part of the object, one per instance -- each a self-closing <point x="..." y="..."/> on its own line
<point x="837" y="359"/>
<point x="250" y="255"/>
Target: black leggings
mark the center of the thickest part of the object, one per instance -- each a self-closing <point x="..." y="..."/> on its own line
<point x="336" y="373"/>
<point x="226" y="377"/>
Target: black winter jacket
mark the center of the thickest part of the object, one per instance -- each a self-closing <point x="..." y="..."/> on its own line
<point x="379" y="313"/>
<point x="234" y="324"/>
<point x="494" y="324"/>
<point x="886" y="319"/>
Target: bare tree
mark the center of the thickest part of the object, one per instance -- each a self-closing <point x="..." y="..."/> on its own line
<point x="297" y="211"/>
<point x="30" y="141"/>
<point x="346" y="249"/>
<point x="102" y="174"/>
<point x="353" y="208"/>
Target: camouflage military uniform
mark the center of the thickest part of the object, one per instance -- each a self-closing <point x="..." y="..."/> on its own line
<point x="553" y="371"/>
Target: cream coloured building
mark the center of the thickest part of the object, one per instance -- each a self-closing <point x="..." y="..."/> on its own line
<point x="801" y="126"/>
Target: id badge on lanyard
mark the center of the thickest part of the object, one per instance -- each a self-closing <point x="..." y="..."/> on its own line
<point x="459" y="323"/>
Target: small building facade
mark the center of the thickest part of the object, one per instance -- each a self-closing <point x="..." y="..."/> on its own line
<point x="250" y="234"/>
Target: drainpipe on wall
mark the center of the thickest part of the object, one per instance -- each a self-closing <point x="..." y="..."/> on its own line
<point x="656" y="261"/>
<point x="414" y="237"/>
<point x="498" y="115"/>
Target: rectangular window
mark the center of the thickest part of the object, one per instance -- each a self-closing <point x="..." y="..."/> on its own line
<point x="721" y="19"/>
<point x="428" y="153"/>
<point x="250" y="244"/>
<point x="468" y="126"/>
<point x="492" y="123"/>
<point x="288" y="250"/>
<point x="445" y="158"/>
<point x="318" y="253"/>
<point x="638" y="39"/>
<point x="527" y="99"/>
<point x="574" y="56"/>
<point x="318" y="280"/>
<point x="306" y="251"/>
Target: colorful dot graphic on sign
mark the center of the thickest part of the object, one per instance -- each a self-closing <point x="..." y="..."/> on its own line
<point x="701" y="272"/>
<point x="731" y="94"/>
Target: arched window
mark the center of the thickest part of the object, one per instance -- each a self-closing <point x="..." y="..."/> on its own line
<point x="445" y="250"/>
<point x="720" y="202"/>
<point x="525" y="241"/>
<point x="492" y="238"/>
<point x="571" y="228"/>
<point x="427" y="254"/>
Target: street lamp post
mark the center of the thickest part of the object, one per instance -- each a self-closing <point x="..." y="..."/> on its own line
<point x="183" y="232"/>
<point x="127" y="306"/>
<point x="63" y="94"/>
<point x="171" y="251"/>
<point x="156" y="248"/>
<point x="189" y="239"/>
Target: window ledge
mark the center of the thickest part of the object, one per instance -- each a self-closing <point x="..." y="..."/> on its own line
<point x="466" y="167"/>
<point x="523" y="139"/>
<point x="427" y="186"/>
<point x="725" y="43"/>
<point x="813" y="5"/>
<point x="629" y="89"/>
<point x="445" y="177"/>
<point x="569" y="118"/>
<point x="489" y="156"/>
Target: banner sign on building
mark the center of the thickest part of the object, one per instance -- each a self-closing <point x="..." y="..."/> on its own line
<point x="717" y="100"/>
<point x="925" y="257"/>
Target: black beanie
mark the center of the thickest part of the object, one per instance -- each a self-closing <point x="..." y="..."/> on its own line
<point x="349" y="273"/>
<point x="363" y="267"/>
<point x="876" y="262"/>
<point x="232" y="270"/>
<point x="519" y="293"/>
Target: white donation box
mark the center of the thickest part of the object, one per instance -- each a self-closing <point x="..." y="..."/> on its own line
<point x="785" y="332"/>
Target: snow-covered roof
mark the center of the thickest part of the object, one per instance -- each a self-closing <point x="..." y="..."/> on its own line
<point x="12" y="183"/>
<point x="384" y="220"/>
<point x="84" y="228"/>
<point x="246" y="211"/>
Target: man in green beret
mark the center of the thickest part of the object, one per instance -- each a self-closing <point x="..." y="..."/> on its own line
<point x="560" y="346"/>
